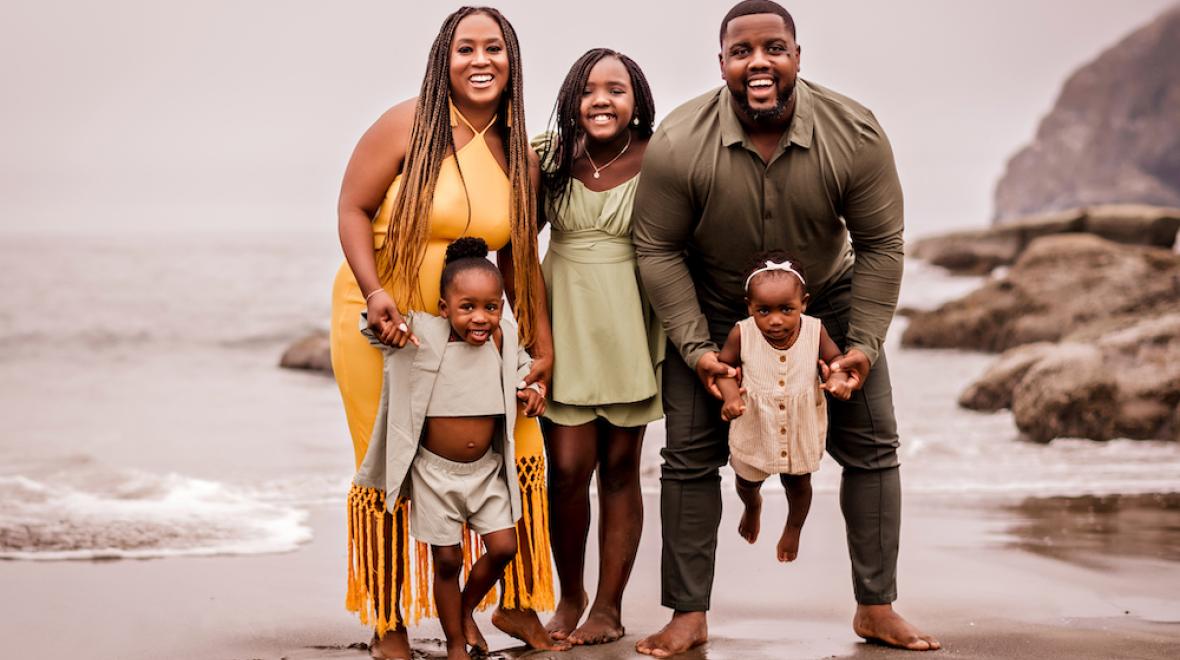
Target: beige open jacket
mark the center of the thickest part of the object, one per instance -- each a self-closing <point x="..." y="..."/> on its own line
<point x="409" y="377"/>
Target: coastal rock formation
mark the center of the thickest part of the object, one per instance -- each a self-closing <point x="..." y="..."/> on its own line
<point x="1070" y="283"/>
<point x="977" y="252"/>
<point x="1090" y="331"/>
<point x="1125" y="383"/>
<point x="1110" y="137"/>
<point x="311" y="353"/>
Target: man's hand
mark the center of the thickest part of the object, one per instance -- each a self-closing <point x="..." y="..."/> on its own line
<point x="710" y="368"/>
<point x="855" y="365"/>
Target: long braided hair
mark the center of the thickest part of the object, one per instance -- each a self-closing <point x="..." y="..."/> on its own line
<point x="400" y="259"/>
<point x="565" y="125"/>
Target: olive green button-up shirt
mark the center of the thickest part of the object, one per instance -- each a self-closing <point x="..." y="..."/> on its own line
<point x="707" y="203"/>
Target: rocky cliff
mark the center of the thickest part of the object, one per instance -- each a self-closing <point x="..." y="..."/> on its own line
<point x="1113" y="135"/>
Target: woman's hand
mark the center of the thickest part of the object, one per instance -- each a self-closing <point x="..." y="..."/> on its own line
<point x="387" y="323"/>
<point x="541" y="371"/>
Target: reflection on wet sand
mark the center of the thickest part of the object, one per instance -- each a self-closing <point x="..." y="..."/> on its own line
<point x="1089" y="529"/>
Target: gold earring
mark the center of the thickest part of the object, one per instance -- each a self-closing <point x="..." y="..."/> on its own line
<point x="454" y="114"/>
<point x="508" y="116"/>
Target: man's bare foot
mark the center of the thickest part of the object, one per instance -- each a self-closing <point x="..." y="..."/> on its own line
<point x="788" y="543"/>
<point x="601" y="627"/>
<point x="566" y="618"/>
<point x="394" y="645"/>
<point x="750" y="523"/>
<point x="525" y="626"/>
<point x="686" y="630"/>
<point x="879" y="624"/>
<point x="472" y="635"/>
<point x="457" y="652"/>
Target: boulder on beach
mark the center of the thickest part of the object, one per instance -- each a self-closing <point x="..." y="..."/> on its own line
<point x="978" y="252"/>
<point x="1111" y="136"/>
<point x="1124" y="384"/>
<point x="310" y="352"/>
<point x="1060" y="285"/>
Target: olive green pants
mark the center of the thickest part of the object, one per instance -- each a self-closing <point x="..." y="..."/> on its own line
<point x="862" y="437"/>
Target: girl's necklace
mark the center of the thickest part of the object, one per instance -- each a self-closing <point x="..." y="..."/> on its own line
<point x="608" y="163"/>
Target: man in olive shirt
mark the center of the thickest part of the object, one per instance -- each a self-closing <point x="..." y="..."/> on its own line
<point x="769" y="161"/>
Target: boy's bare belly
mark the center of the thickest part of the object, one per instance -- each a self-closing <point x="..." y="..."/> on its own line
<point x="461" y="439"/>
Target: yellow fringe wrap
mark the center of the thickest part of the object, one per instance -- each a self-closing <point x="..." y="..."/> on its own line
<point x="390" y="577"/>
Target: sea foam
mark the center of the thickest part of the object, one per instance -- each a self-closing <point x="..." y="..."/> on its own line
<point x="136" y="515"/>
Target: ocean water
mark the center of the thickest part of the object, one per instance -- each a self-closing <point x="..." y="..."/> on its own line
<point x="142" y="412"/>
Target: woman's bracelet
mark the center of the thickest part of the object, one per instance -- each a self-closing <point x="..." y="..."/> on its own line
<point x="373" y="293"/>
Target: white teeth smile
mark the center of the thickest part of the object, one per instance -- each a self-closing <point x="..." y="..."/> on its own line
<point x="601" y="119"/>
<point x="761" y="83"/>
<point x="481" y="78"/>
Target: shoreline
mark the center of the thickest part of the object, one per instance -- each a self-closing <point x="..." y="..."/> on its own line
<point x="1098" y="594"/>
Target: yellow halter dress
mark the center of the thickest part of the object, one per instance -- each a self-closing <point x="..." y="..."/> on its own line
<point x="389" y="577"/>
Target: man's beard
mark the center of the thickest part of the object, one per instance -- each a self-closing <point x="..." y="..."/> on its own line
<point x="772" y="113"/>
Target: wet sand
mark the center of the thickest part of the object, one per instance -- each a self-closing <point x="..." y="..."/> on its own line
<point x="1047" y="579"/>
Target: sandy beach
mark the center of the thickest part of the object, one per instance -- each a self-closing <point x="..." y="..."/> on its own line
<point x="1044" y="578"/>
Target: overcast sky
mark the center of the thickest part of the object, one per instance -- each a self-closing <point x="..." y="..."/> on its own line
<point x="132" y="115"/>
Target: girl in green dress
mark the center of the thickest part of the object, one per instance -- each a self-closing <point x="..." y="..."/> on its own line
<point x="607" y="345"/>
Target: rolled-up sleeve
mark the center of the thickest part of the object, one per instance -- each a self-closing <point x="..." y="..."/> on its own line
<point x="874" y="214"/>
<point x="662" y="225"/>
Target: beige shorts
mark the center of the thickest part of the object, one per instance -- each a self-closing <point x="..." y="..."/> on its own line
<point x="747" y="471"/>
<point x="446" y="494"/>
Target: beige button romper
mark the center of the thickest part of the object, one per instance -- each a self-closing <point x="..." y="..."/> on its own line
<point x="786" y="420"/>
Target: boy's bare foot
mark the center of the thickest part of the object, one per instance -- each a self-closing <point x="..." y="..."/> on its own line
<point x="394" y="645"/>
<point x="788" y="543"/>
<point x="601" y="627"/>
<point x="473" y="636"/>
<point x="750" y="523"/>
<point x="525" y="626"/>
<point x="686" y="630"/>
<point x="879" y="624"/>
<point x="457" y="652"/>
<point x="566" y="618"/>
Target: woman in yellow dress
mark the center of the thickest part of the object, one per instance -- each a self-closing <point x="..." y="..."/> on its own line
<point x="453" y="162"/>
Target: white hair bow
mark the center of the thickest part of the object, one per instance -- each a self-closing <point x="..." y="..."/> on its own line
<point x="785" y="265"/>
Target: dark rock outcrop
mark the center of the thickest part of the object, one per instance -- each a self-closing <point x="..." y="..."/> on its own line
<point x="310" y="353"/>
<point x="1125" y="384"/>
<point x="977" y="252"/>
<point x="1112" y="135"/>
<point x="1071" y="283"/>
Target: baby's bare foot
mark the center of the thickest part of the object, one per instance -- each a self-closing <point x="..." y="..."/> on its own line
<point x="788" y="543"/>
<point x="566" y="618"/>
<point x="751" y="522"/>
<point x="601" y="627"/>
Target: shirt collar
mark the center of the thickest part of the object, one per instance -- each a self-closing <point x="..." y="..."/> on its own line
<point x="802" y="123"/>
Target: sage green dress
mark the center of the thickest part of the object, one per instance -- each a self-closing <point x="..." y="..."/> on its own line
<point x="607" y="343"/>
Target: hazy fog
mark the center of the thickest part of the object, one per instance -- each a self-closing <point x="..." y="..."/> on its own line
<point x="133" y="115"/>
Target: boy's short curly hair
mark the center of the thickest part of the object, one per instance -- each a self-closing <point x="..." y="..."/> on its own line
<point x="777" y="256"/>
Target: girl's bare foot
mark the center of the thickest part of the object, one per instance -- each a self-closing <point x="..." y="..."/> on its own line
<point x="525" y="626"/>
<point x="473" y="636"/>
<point x="751" y="496"/>
<point x="567" y="616"/>
<point x="394" y="645"/>
<point x="601" y="627"/>
<point x="788" y="543"/>
<point x="686" y="630"/>
<point x="880" y="624"/>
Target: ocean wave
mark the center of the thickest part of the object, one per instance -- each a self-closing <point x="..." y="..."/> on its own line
<point x="135" y="515"/>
